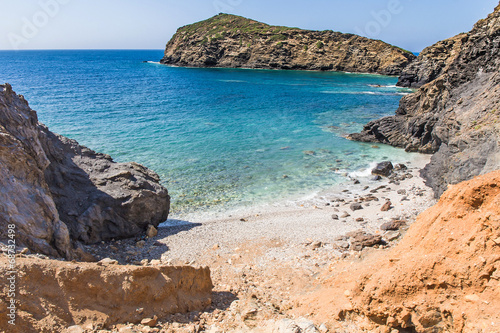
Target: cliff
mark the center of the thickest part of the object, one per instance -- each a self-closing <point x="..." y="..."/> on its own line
<point x="233" y="41"/>
<point x="58" y="193"/>
<point x="442" y="277"/>
<point x="457" y="114"/>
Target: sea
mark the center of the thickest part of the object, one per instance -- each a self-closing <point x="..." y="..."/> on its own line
<point x="219" y="138"/>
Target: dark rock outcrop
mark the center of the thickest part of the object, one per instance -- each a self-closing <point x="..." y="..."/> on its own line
<point x="457" y="114"/>
<point x="58" y="193"/>
<point x="234" y="41"/>
<point x="431" y="62"/>
<point x="383" y="169"/>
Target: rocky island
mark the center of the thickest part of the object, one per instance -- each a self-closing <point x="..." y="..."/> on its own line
<point x="455" y="114"/>
<point x="237" y="42"/>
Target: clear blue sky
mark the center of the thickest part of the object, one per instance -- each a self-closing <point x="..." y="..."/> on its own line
<point x="149" y="24"/>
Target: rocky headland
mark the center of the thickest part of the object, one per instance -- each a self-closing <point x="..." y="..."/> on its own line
<point x="60" y="195"/>
<point x="455" y="114"/>
<point x="237" y="42"/>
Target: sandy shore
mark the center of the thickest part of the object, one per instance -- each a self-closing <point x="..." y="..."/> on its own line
<point x="291" y="223"/>
<point x="302" y="221"/>
<point x="264" y="260"/>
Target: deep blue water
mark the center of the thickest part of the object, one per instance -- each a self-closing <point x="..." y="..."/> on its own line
<point x="217" y="137"/>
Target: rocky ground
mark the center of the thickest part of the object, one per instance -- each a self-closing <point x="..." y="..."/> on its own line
<point x="262" y="264"/>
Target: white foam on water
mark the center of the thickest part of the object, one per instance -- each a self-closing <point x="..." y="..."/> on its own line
<point x="363" y="173"/>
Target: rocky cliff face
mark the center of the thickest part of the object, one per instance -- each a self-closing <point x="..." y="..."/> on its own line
<point x="58" y="193"/>
<point x="457" y="114"/>
<point x="233" y="41"/>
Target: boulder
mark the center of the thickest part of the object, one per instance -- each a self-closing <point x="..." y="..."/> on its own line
<point x="360" y="239"/>
<point x="383" y="169"/>
<point x="58" y="193"/>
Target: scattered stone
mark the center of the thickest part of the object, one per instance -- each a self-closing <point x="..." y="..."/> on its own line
<point x="335" y="217"/>
<point x="107" y="261"/>
<point x="473" y="298"/>
<point x="127" y="329"/>
<point x="383" y="169"/>
<point x="316" y="245"/>
<point x="402" y="192"/>
<point x="360" y="239"/>
<point x="306" y="326"/>
<point x="356" y="206"/>
<point x="356" y="182"/>
<point x="346" y="214"/>
<point x="343" y="244"/>
<point x="393" y="225"/>
<point x="376" y="178"/>
<point x="151" y="322"/>
<point x="391" y="235"/>
<point x="75" y="329"/>
<point x="287" y="326"/>
<point x="400" y="166"/>
<point x="155" y="262"/>
<point x="323" y="329"/>
<point x="151" y="231"/>
<point x="140" y="244"/>
<point x="360" y="219"/>
<point x="386" y="206"/>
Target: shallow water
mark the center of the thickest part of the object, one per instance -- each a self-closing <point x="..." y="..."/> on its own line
<point x="219" y="138"/>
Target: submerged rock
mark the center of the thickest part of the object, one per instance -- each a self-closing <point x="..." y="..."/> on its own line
<point x="58" y="193"/>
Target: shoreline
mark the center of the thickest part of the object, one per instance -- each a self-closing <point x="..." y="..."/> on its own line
<point x="364" y="176"/>
<point x="195" y="239"/>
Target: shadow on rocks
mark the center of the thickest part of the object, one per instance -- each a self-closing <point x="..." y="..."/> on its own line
<point x="172" y="227"/>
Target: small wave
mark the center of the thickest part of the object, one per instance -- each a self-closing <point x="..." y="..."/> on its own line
<point x="382" y="86"/>
<point x="153" y="62"/>
<point x="363" y="173"/>
<point x="232" y="81"/>
<point x="361" y="93"/>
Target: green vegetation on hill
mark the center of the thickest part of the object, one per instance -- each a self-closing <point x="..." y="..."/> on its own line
<point x="223" y="23"/>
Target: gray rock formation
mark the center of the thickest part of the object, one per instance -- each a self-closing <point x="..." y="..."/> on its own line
<point x="59" y="193"/>
<point x="457" y="114"/>
<point x="234" y="41"/>
<point x="431" y="62"/>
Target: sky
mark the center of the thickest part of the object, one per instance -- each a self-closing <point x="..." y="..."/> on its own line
<point x="149" y="24"/>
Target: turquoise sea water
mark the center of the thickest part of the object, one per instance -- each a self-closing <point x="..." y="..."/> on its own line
<point x="218" y="138"/>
